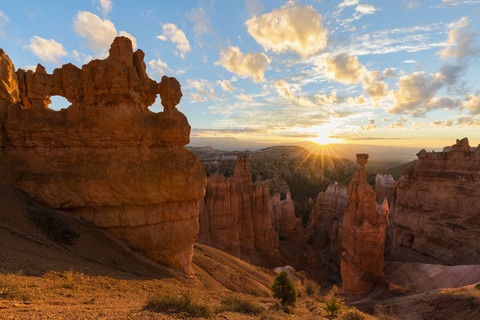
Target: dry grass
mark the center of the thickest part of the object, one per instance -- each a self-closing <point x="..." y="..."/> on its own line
<point x="240" y="305"/>
<point x="183" y="304"/>
<point x="12" y="289"/>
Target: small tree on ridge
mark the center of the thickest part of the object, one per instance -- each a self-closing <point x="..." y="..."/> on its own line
<point x="284" y="290"/>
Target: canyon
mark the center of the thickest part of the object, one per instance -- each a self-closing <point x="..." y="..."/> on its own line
<point x="107" y="158"/>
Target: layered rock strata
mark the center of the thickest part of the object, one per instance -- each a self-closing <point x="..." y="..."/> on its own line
<point x="436" y="218"/>
<point x="287" y="225"/>
<point x="235" y="215"/>
<point x="363" y="236"/>
<point x="106" y="158"/>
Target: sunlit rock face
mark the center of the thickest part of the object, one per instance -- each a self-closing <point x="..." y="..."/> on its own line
<point x="436" y="218"/>
<point x="363" y="235"/>
<point x="235" y="215"/>
<point x="106" y="158"/>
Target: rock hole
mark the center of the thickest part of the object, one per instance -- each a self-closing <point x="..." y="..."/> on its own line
<point x="410" y="240"/>
<point x="157" y="106"/>
<point x="58" y="103"/>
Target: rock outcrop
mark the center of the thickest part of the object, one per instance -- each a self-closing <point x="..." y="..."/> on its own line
<point x="287" y="225"/>
<point x="363" y="236"/>
<point x="235" y="215"/>
<point x="106" y="158"/>
<point x="436" y="218"/>
<point x="385" y="188"/>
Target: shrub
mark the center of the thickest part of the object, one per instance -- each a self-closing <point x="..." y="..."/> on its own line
<point x="310" y="287"/>
<point x="12" y="289"/>
<point x="284" y="290"/>
<point x="477" y="286"/>
<point x="353" y="314"/>
<point x="165" y="303"/>
<point x="52" y="225"/>
<point x="332" y="306"/>
<point x="238" y="304"/>
<point x="70" y="276"/>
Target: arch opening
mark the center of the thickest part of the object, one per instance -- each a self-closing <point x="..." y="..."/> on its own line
<point x="58" y="103"/>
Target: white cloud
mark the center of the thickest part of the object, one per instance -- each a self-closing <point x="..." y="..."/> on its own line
<point x="48" y="50"/>
<point x="326" y="98"/>
<point x="293" y="27"/>
<point x="415" y="94"/>
<point x="177" y="36"/>
<point x="250" y="64"/>
<point x="81" y="57"/>
<point x="203" y="24"/>
<point x="98" y="33"/>
<point x="473" y="104"/>
<point x="105" y="6"/>
<point x="363" y="9"/>
<point x="460" y="42"/>
<point x="128" y="35"/>
<point x="226" y="85"/>
<point x="204" y="89"/>
<point x="158" y="67"/>
<point x="344" y="68"/>
<point x="348" y="3"/>
<point x="3" y="21"/>
<point x="285" y="89"/>
<point x="245" y="97"/>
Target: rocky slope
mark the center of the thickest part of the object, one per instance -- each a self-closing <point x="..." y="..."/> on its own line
<point x="436" y="214"/>
<point x="236" y="214"/>
<point x="106" y="158"/>
<point x="363" y="235"/>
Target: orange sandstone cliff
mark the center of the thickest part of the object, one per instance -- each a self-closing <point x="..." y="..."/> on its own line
<point x="436" y="218"/>
<point x="363" y="235"/>
<point x="106" y="158"/>
<point x="235" y="215"/>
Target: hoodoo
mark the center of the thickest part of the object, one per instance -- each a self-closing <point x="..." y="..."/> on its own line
<point x="106" y="158"/>
<point x="363" y="235"/>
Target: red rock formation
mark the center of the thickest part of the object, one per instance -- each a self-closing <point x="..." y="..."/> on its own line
<point x="284" y="220"/>
<point x="385" y="187"/>
<point x="235" y="214"/>
<point x="106" y="158"/>
<point x="436" y="214"/>
<point x="363" y="235"/>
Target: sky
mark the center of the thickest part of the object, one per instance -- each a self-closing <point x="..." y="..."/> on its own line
<point x="389" y="72"/>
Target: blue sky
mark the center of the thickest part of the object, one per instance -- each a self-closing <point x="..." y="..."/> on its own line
<point x="391" y="72"/>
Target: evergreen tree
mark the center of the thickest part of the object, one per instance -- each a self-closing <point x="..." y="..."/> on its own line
<point x="284" y="290"/>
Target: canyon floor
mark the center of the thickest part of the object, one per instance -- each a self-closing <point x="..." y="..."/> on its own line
<point x="96" y="277"/>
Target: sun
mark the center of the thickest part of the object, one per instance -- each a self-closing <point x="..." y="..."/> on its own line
<point x="323" y="139"/>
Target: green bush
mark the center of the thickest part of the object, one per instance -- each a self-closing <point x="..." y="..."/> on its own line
<point x="12" y="289"/>
<point x="52" y="225"/>
<point x="352" y="314"/>
<point x="165" y="303"/>
<point x="70" y="276"/>
<point x="238" y="304"/>
<point x="284" y="290"/>
<point x="332" y="306"/>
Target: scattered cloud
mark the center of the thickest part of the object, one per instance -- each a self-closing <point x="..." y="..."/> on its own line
<point x="245" y="97"/>
<point x="460" y="43"/>
<point x="250" y="64"/>
<point x="416" y="90"/>
<point x="293" y="27"/>
<point x="344" y="68"/>
<point x="105" y="6"/>
<point x="158" y="66"/>
<point x="412" y="4"/>
<point x="473" y="104"/>
<point x="48" y="50"/>
<point x="363" y="9"/>
<point x="204" y="89"/>
<point x="285" y="89"/>
<point x="203" y="23"/>
<point x="348" y="3"/>
<point x="99" y="33"/>
<point x="226" y="85"/>
<point x="467" y="121"/>
<point x="3" y="21"/>
<point x="449" y="73"/>
<point x="177" y="36"/>
<point x="326" y="98"/>
<point x="81" y="57"/>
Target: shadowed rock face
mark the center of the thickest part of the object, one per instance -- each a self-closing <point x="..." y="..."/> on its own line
<point x="436" y="218"/>
<point x="106" y="158"/>
<point x="235" y="215"/>
<point x="363" y="235"/>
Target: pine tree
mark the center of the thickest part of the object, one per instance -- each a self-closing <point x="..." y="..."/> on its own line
<point x="284" y="290"/>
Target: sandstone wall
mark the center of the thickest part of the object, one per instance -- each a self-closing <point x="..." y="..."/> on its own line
<point x="284" y="220"/>
<point x="363" y="235"/>
<point x="436" y="218"/>
<point x="106" y="158"/>
<point x="235" y="214"/>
